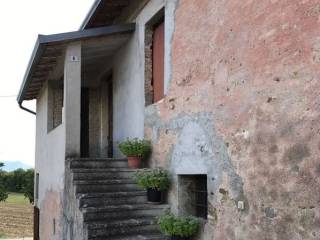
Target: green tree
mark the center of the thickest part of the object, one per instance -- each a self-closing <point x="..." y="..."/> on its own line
<point x="3" y="190"/>
<point x="7" y="181"/>
<point x="28" y="185"/>
<point x="18" y="180"/>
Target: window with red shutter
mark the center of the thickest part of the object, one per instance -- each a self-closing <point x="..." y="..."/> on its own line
<point x="158" y="62"/>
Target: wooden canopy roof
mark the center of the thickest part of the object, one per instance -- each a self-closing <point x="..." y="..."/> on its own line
<point x="49" y="48"/>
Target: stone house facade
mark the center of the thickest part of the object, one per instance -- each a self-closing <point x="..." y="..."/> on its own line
<point x="230" y="104"/>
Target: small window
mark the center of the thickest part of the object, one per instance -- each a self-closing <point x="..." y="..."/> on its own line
<point x="154" y="58"/>
<point x="201" y="196"/>
<point x="55" y="104"/>
<point x="193" y="195"/>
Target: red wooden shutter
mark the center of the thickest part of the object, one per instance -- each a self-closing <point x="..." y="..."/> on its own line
<point x="158" y="63"/>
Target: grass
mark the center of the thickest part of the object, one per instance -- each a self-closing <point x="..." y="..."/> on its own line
<point x="16" y="217"/>
<point x="17" y="198"/>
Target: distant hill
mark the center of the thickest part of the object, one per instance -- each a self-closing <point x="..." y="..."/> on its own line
<point x="11" y="166"/>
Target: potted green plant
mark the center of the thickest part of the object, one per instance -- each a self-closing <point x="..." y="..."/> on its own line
<point x="178" y="228"/>
<point x="155" y="181"/>
<point x="135" y="150"/>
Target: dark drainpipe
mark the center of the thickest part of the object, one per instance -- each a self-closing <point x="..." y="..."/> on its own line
<point x="26" y="109"/>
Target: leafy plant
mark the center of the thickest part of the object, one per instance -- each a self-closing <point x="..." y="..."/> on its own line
<point x="153" y="178"/>
<point x="135" y="147"/>
<point x="3" y="190"/>
<point x="171" y="225"/>
<point x="28" y="186"/>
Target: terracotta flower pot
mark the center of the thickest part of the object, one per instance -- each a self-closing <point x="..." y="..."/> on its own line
<point x="134" y="162"/>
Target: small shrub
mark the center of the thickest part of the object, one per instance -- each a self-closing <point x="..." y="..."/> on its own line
<point x="3" y="190"/>
<point x="135" y="147"/>
<point x="153" y="178"/>
<point x="28" y="186"/>
<point x="171" y="225"/>
<point x="3" y="194"/>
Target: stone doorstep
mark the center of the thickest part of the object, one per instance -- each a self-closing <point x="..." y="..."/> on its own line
<point x="26" y="238"/>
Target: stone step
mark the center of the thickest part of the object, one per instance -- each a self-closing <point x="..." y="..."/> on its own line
<point x="139" y="236"/>
<point x="122" y="227"/>
<point x="110" y="194"/>
<point x="132" y="222"/>
<point x="104" y="182"/>
<point x="105" y="169"/>
<point x="104" y="186"/>
<point x="97" y="163"/>
<point x="106" y="199"/>
<point x="103" y="173"/>
<point x="114" y="212"/>
<point x="114" y="207"/>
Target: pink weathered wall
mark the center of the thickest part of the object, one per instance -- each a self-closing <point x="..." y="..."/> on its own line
<point x="254" y="68"/>
<point x="51" y="209"/>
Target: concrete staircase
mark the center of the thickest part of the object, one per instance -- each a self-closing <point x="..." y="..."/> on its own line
<point x="113" y="206"/>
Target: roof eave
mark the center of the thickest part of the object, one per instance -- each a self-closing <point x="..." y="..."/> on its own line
<point x="90" y="14"/>
<point x="65" y="37"/>
<point x="35" y="54"/>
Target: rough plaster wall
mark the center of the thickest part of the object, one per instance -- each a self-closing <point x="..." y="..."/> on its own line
<point x="104" y="110"/>
<point x="170" y="7"/>
<point x="72" y="218"/>
<point x="73" y="227"/>
<point x="49" y="160"/>
<point x="72" y="99"/>
<point x="128" y="94"/>
<point x="128" y="80"/>
<point x="242" y="105"/>
<point x="51" y="210"/>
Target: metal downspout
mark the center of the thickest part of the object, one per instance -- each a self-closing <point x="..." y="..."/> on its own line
<point x="26" y="109"/>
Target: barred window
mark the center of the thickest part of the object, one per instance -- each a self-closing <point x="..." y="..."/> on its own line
<point x="55" y="104"/>
<point x="193" y="195"/>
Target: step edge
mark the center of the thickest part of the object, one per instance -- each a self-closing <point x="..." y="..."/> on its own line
<point x="127" y="207"/>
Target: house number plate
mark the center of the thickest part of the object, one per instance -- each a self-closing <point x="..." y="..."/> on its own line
<point x="74" y="59"/>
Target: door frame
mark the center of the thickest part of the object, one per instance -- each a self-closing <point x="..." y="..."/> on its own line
<point x="110" y="115"/>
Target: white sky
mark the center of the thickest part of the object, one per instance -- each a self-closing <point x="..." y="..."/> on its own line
<point x="20" y="23"/>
